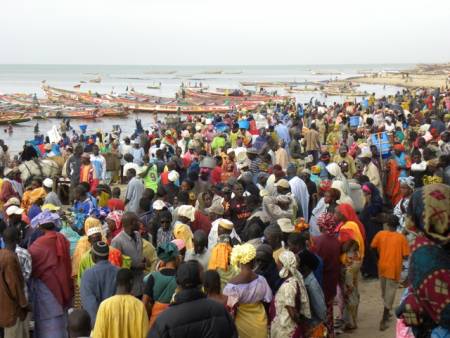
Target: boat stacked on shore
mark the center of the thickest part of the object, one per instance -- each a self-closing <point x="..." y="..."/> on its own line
<point x="74" y="104"/>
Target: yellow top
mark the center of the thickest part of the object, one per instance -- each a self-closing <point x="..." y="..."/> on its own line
<point x="121" y="316"/>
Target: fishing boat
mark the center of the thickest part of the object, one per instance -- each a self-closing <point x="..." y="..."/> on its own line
<point x="154" y="86"/>
<point x="96" y="80"/>
<point x="213" y="72"/>
<point x="345" y="93"/>
<point x="301" y="90"/>
<point x="13" y="118"/>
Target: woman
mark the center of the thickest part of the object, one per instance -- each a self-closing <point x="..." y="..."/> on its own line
<point x="87" y="172"/>
<point x="344" y="198"/>
<point x="407" y="185"/>
<point x="328" y="203"/>
<point x="247" y="292"/>
<point x="418" y="168"/>
<point x="327" y="247"/>
<point x="372" y="225"/>
<point x="397" y="166"/>
<point x="211" y="285"/>
<point x="291" y="301"/>
<point x="351" y="234"/>
<point x="336" y="175"/>
<point x="183" y="231"/>
<point x="220" y="261"/>
<point x="426" y="307"/>
<point x="161" y="285"/>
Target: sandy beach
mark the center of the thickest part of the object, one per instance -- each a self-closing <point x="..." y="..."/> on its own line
<point x="412" y="81"/>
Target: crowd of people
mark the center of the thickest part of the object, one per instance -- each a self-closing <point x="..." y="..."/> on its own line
<point x="248" y="224"/>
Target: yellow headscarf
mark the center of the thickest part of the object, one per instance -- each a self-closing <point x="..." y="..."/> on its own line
<point x="83" y="244"/>
<point x="183" y="231"/>
<point x="243" y="254"/>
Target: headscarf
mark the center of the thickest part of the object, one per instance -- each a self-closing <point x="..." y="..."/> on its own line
<point x="45" y="217"/>
<point x="116" y="217"/>
<point x="167" y="252"/>
<point x="289" y="262"/>
<point x="184" y="232"/>
<point x="335" y="170"/>
<point x="350" y="215"/>
<point x="7" y="191"/>
<point x="409" y="181"/>
<point x="242" y="254"/>
<point x="429" y="212"/>
<point x="91" y="222"/>
<point x="220" y="256"/>
<point x="327" y="223"/>
<point x="376" y="202"/>
<point x="325" y="185"/>
<point x="399" y="147"/>
<point x="36" y="194"/>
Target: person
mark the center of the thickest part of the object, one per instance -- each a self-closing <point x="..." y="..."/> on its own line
<point x="343" y="156"/>
<point x="299" y="190"/>
<point x="164" y="234"/>
<point x="200" y="252"/>
<point x="273" y="236"/>
<point x="116" y="203"/>
<point x="327" y="247"/>
<point x="129" y="242"/>
<point x="370" y="218"/>
<point x="424" y="307"/>
<point x="312" y="140"/>
<point x="79" y="324"/>
<point x="73" y="166"/>
<point x="160" y="285"/>
<point x="13" y="299"/>
<point x="99" y="163"/>
<point x="138" y="153"/>
<point x="122" y="315"/>
<point x="51" y="196"/>
<point x="51" y="281"/>
<point x="291" y="301"/>
<point x="407" y="186"/>
<point x="135" y="189"/>
<point x="370" y="170"/>
<point x="392" y="248"/>
<point x="192" y="314"/>
<point x="265" y="266"/>
<point x="246" y="294"/>
<point x="98" y="282"/>
<point x="398" y="166"/>
<point x="88" y="173"/>
<point x="351" y="234"/>
<point x="211" y="286"/>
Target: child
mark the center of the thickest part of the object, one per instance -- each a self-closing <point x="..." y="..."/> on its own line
<point x="392" y="247"/>
<point x="115" y="203"/>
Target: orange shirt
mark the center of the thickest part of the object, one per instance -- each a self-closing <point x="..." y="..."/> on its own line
<point x="392" y="247"/>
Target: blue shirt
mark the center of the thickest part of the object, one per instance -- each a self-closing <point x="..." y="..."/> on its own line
<point x="283" y="133"/>
<point x="97" y="284"/>
<point x="138" y="155"/>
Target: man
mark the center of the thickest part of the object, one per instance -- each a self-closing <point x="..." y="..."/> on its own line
<point x="51" y="277"/>
<point x="138" y="153"/>
<point x="371" y="171"/>
<point x="344" y="156"/>
<point x="98" y="282"/>
<point x="13" y="300"/>
<point x="73" y="169"/>
<point x="122" y="315"/>
<point x="135" y="189"/>
<point x="299" y="190"/>
<point x="99" y="163"/>
<point x="192" y="314"/>
<point x="312" y="140"/>
<point x="283" y="132"/>
<point x="51" y="197"/>
<point x="79" y="324"/>
<point x="129" y="242"/>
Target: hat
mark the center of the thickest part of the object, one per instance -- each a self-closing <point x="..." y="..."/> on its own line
<point x="50" y="207"/>
<point x="48" y="183"/>
<point x="286" y="225"/>
<point x="12" y="201"/>
<point x="226" y="224"/>
<point x="45" y="217"/>
<point x="93" y="231"/>
<point x="365" y="154"/>
<point x="100" y="249"/>
<point x="14" y="210"/>
<point x="173" y="176"/>
<point x="159" y="205"/>
<point x="283" y="183"/>
<point x="187" y="211"/>
<point x="243" y="164"/>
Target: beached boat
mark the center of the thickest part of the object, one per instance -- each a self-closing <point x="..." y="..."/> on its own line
<point x="346" y="94"/>
<point x="96" y="80"/>
<point x="213" y="72"/>
<point x="13" y="118"/>
<point x="301" y="90"/>
<point x="154" y="86"/>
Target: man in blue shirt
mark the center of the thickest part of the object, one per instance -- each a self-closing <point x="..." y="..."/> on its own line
<point x="98" y="282"/>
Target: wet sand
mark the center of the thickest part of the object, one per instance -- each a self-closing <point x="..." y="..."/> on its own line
<point x="412" y="81"/>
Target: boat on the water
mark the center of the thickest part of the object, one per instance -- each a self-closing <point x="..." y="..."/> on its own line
<point x="154" y="86"/>
<point x="13" y="118"/>
<point x="96" y="80"/>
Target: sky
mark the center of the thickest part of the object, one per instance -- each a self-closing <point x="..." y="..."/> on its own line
<point x="230" y="32"/>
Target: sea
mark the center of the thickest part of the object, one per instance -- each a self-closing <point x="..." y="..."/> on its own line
<point x="117" y="78"/>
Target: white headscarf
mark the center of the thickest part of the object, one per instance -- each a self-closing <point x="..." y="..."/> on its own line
<point x="335" y="170"/>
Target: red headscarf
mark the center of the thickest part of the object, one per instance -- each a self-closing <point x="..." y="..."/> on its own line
<point x="350" y="215"/>
<point x="399" y="147"/>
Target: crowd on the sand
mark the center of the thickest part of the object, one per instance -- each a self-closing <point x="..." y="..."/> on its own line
<point x="248" y="224"/>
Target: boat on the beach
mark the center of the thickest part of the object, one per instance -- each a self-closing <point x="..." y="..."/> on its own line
<point x="212" y="72"/>
<point x="96" y="80"/>
<point x="13" y="118"/>
<point x="154" y="86"/>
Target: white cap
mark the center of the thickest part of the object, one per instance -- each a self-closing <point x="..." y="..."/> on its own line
<point x="93" y="231"/>
<point x="48" y="183"/>
<point x="286" y="225"/>
<point x="159" y="205"/>
<point x="173" y="176"/>
<point x="187" y="211"/>
<point x="14" y="210"/>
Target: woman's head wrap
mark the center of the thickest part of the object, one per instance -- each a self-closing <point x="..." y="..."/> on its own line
<point x="45" y="217"/>
<point x="327" y="223"/>
<point x="243" y="254"/>
<point x="429" y="212"/>
<point x="91" y="222"/>
<point x="184" y="232"/>
<point x="167" y="252"/>
<point x="409" y="181"/>
<point x="399" y="147"/>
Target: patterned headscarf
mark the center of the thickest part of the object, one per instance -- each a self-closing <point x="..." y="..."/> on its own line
<point x="327" y="223"/>
<point x="289" y="262"/>
<point x="325" y="185"/>
<point x="429" y="212"/>
<point x="409" y="181"/>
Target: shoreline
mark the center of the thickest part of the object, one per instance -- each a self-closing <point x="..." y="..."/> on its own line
<point x="400" y="80"/>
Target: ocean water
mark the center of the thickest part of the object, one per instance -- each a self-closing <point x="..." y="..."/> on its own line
<point x="115" y="78"/>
